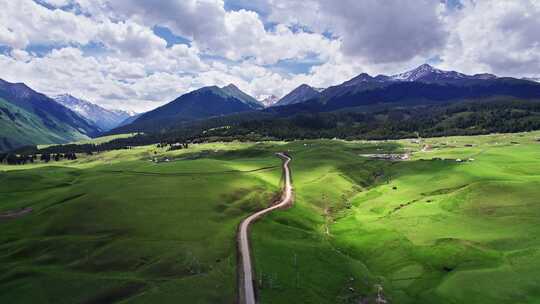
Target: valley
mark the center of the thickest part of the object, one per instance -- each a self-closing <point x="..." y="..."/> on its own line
<point x="445" y="226"/>
<point x="269" y="152"/>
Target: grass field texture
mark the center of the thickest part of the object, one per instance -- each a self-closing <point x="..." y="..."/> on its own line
<point x="117" y="228"/>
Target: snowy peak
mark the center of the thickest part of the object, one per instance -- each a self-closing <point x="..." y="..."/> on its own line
<point x="81" y="107"/>
<point x="269" y="101"/>
<point x="427" y="73"/>
<point x="424" y="72"/>
<point x="101" y="117"/>
<point x="302" y="93"/>
<point x="535" y="79"/>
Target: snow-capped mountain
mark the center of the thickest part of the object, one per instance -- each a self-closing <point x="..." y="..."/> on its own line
<point x="103" y="118"/>
<point x="423" y="73"/>
<point x="302" y="93"/>
<point x="535" y="79"/>
<point x="427" y="73"/>
<point x="269" y="101"/>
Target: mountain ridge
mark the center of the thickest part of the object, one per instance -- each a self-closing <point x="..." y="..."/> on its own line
<point x="269" y="101"/>
<point x="422" y="85"/>
<point x="202" y="103"/>
<point x="29" y="117"/>
<point x="103" y="118"/>
<point x="300" y="94"/>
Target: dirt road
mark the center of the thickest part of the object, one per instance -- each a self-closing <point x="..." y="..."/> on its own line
<point x="247" y="290"/>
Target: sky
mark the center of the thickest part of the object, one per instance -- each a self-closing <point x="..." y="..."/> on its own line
<point x="139" y="54"/>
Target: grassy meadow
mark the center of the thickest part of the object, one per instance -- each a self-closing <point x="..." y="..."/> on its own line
<point x="456" y="223"/>
<point x="115" y="226"/>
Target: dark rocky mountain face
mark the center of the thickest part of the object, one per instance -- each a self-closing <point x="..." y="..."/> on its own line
<point x="301" y="94"/>
<point x="235" y="92"/>
<point x="199" y="104"/>
<point x="30" y="118"/>
<point x="50" y="112"/>
<point x="424" y="85"/>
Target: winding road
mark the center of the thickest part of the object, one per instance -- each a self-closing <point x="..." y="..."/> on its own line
<point x="247" y="290"/>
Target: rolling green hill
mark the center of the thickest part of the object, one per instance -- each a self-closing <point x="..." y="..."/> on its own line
<point x="31" y="118"/>
<point x="448" y="225"/>
<point x="19" y="127"/>
<point x="457" y="223"/>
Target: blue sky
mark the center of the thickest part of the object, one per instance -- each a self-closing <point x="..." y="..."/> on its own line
<point x="169" y="36"/>
<point x="139" y="54"/>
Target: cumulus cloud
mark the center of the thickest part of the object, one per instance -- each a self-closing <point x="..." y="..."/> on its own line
<point x="198" y="20"/>
<point x="249" y="42"/>
<point x="248" y="38"/>
<point x="500" y="37"/>
<point x="380" y="31"/>
<point x="109" y="81"/>
<point x="235" y="35"/>
<point x="130" y="38"/>
<point x="24" y="22"/>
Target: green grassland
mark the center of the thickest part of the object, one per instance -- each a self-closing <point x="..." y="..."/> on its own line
<point x="97" y="140"/>
<point x="20" y="127"/>
<point x="116" y="227"/>
<point x="428" y="230"/>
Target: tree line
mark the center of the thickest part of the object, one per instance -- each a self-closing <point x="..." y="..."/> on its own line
<point x="23" y="159"/>
<point x="388" y="121"/>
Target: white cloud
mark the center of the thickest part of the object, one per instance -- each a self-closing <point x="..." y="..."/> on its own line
<point x="232" y="34"/>
<point x="136" y="70"/>
<point x="377" y="31"/>
<point x="500" y="37"/>
<point x="129" y="38"/>
<point x="20" y="55"/>
<point x="109" y="81"/>
<point x="248" y="38"/>
<point x="23" y="22"/>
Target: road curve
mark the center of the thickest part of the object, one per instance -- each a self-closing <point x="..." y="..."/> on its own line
<point x="247" y="290"/>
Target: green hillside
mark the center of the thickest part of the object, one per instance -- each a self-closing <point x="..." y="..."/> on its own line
<point x="458" y="223"/>
<point x="116" y="227"/>
<point x="19" y="127"/>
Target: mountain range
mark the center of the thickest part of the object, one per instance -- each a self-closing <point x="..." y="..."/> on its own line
<point x="301" y="94"/>
<point x="28" y="117"/>
<point x="103" y="118"/>
<point x="422" y="85"/>
<point x="199" y="104"/>
<point x="269" y="101"/>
